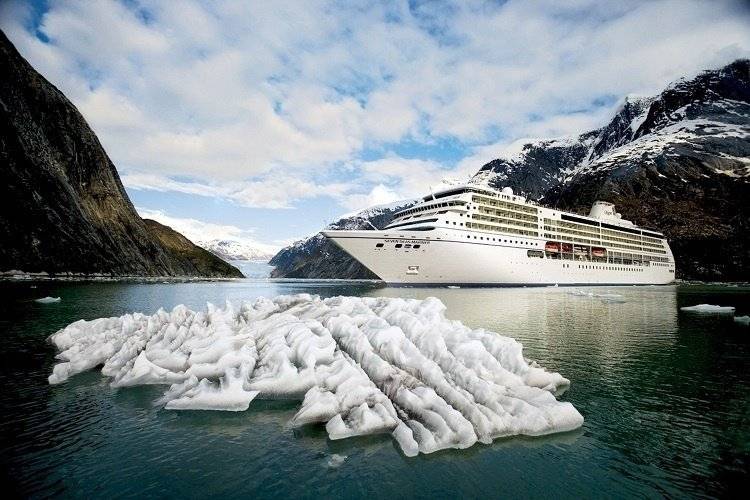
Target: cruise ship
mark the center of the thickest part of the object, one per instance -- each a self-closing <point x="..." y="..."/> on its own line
<point x="475" y="235"/>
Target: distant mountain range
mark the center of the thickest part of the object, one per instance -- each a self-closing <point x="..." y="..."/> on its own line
<point x="678" y="162"/>
<point x="231" y="250"/>
<point x="63" y="209"/>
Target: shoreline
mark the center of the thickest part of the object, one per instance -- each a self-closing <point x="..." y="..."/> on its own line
<point x="20" y="277"/>
<point x="17" y="277"/>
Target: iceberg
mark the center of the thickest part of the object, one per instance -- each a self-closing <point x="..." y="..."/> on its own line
<point x="48" y="300"/>
<point x="359" y="365"/>
<point x="742" y="320"/>
<point x="709" y="309"/>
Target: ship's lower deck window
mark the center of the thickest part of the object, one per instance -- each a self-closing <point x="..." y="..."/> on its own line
<point x="379" y="245"/>
<point x="398" y="245"/>
<point x="416" y="246"/>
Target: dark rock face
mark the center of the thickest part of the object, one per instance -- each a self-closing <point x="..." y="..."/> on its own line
<point x="317" y="257"/>
<point x="678" y="162"/>
<point x="540" y="166"/>
<point x="63" y="208"/>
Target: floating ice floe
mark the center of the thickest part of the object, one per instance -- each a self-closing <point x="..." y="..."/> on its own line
<point x="48" y="300"/>
<point x="709" y="308"/>
<point x="335" y="460"/>
<point x="742" y="320"/>
<point x="359" y="365"/>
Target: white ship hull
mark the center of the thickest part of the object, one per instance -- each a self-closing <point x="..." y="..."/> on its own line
<point x="448" y="257"/>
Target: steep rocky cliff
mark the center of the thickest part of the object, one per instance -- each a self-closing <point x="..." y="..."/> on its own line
<point x="678" y="162"/>
<point x="63" y="208"/>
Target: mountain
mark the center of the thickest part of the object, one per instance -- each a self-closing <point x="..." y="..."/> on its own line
<point x="316" y="257"/>
<point x="194" y="260"/>
<point x="230" y="250"/>
<point x="64" y="209"/>
<point x="678" y="162"/>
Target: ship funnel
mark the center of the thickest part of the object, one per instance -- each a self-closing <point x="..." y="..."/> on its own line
<point x="602" y="210"/>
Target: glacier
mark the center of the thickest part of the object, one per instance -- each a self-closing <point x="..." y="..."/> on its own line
<point x="359" y="365"/>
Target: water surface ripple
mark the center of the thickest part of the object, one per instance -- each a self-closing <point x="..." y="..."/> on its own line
<point x="665" y="395"/>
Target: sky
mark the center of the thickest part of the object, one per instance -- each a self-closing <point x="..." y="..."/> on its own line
<point x="263" y="121"/>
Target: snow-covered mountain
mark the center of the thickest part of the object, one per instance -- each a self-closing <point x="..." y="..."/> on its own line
<point x="233" y="250"/>
<point x="706" y="118"/>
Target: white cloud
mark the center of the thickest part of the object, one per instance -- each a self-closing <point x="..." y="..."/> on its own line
<point x="235" y="94"/>
<point x="201" y="231"/>
<point x="270" y="192"/>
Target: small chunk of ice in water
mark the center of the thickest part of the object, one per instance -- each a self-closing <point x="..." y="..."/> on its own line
<point x="709" y="308"/>
<point x="335" y="460"/>
<point x="48" y="300"/>
<point x="615" y="298"/>
<point x="359" y="365"/>
<point x="742" y="320"/>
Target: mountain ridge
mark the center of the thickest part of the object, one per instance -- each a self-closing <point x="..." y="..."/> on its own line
<point x="229" y="249"/>
<point x="64" y="208"/>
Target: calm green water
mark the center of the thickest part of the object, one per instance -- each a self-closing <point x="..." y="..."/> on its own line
<point x="665" y="395"/>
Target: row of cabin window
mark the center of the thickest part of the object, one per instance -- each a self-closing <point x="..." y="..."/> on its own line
<point x="605" y="268"/>
<point x="504" y="241"/>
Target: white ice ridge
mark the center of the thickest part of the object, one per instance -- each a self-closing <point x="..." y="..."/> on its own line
<point x="48" y="300"/>
<point x="359" y="365"/>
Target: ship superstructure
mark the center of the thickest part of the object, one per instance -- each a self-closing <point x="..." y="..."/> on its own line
<point x="476" y="235"/>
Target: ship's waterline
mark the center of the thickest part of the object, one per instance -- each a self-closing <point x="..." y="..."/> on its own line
<point x="476" y="235"/>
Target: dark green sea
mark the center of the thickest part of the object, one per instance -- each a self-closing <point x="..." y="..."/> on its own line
<point x="665" y="396"/>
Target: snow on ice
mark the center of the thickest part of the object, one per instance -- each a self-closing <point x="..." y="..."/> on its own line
<point x="48" y="300"/>
<point x="359" y="365"/>
<point x="709" y="308"/>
